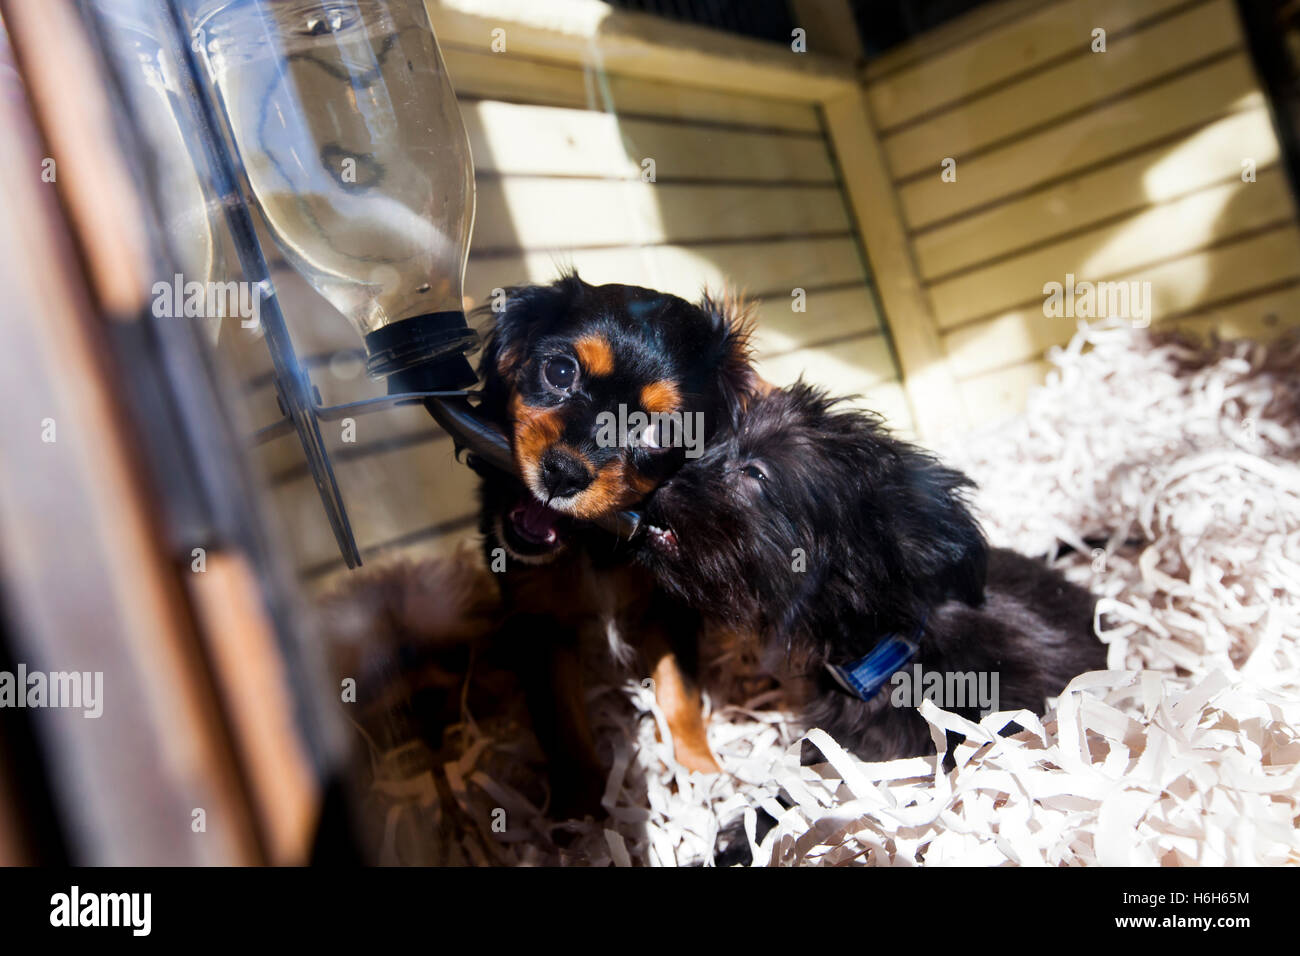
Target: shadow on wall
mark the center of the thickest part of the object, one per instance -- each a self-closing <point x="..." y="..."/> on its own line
<point x="1196" y="224"/>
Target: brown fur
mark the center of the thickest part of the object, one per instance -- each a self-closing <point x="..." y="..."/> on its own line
<point x="405" y="632"/>
<point x="595" y="355"/>
<point x="661" y="397"/>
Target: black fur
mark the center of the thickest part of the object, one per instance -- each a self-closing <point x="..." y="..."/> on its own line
<point x="813" y="528"/>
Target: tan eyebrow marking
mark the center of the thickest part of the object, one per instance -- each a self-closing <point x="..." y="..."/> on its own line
<point x="595" y="354"/>
<point x="661" y="396"/>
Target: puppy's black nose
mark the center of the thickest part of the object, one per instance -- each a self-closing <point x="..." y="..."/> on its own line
<point x="563" y="475"/>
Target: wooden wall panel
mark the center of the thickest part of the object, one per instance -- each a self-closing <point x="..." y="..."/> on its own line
<point x="1154" y="162"/>
<point x="1209" y="156"/>
<point x="1075" y="86"/>
<point x="994" y="45"/>
<point x="1136" y="244"/>
<point x="515" y="79"/>
<point x="1060" y="151"/>
<point x="524" y="213"/>
<point x="526" y="140"/>
<point x="1188" y="285"/>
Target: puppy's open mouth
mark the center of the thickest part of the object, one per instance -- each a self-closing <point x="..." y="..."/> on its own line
<point x="661" y="539"/>
<point x="535" y="523"/>
<point x="532" y="528"/>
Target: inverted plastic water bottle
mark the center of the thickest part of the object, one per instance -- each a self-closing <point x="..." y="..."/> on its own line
<point x="355" y="154"/>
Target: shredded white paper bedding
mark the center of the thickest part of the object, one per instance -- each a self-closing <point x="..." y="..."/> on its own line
<point x="1186" y="459"/>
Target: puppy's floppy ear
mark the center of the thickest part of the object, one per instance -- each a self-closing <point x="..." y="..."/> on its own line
<point x="941" y="544"/>
<point x="730" y="351"/>
<point x="525" y="311"/>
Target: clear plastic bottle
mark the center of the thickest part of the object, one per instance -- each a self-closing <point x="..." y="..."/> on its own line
<point x="349" y="134"/>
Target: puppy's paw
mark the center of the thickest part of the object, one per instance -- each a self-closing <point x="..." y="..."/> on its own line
<point x="695" y="757"/>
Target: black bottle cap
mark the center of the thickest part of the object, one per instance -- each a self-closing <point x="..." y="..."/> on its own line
<point x="425" y="353"/>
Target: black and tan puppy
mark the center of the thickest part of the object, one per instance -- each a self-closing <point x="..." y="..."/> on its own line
<point x="604" y="391"/>
<point x="854" y="557"/>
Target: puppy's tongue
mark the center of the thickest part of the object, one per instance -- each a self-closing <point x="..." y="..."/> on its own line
<point x="535" y="522"/>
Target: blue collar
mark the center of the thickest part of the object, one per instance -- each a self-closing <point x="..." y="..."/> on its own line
<point x="864" y="677"/>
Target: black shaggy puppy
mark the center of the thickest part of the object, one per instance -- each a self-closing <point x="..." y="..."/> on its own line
<point x="854" y="558"/>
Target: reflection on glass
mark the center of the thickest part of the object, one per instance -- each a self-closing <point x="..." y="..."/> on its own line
<point x="197" y="241"/>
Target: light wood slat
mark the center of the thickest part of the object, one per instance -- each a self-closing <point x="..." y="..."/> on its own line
<point x="1176" y="287"/>
<point x="526" y="213"/>
<point x="847" y="368"/>
<point x="951" y="35"/>
<point x="1002" y="393"/>
<point x="1075" y="84"/>
<point x="1212" y="154"/>
<point x="1031" y="39"/>
<point x="1160" y="232"/>
<point x="1015" y="337"/>
<point x="930" y="389"/>
<point x="1262" y="317"/>
<point x="553" y="141"/>
<point x="832" y="314"/>
<point x="1222" y="273"/>
<point x="387" y="496"/>
<point x="999" y="395"/>
<point x="753" y="266"/>
<point x="1108" y="132"/>
<point x="581" y="32"/>
<point x="889" y="400"/>
<point x="479" y="74"/>
<point x="482" y="75"/>
<point x="408" y="427"/>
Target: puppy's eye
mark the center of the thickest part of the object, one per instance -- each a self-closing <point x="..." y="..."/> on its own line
<point x="753" y="471"/>
<point x="560" y="372"/>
